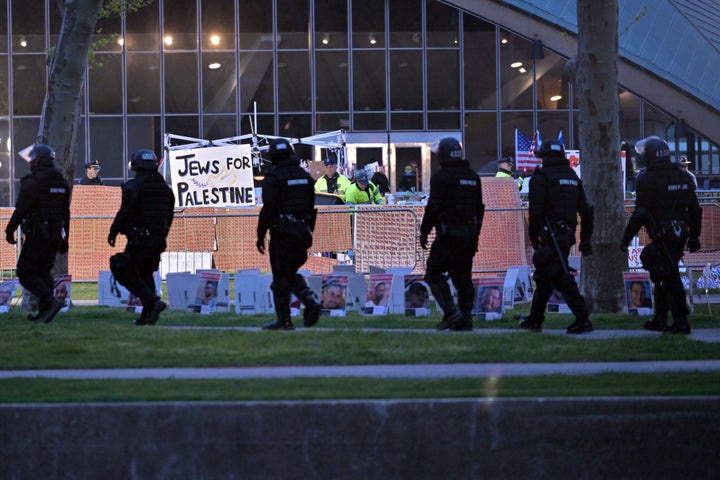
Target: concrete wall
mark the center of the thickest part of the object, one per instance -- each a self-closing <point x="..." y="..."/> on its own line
<point x="385" y="439"/>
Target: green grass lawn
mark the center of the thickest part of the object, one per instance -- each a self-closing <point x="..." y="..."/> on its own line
<point x="104" y="337"/>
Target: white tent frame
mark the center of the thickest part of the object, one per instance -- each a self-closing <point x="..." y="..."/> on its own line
<point x="333" y="141"/>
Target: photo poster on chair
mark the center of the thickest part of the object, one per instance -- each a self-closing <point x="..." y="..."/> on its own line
<point x="378" y="294"/>
<point x="638" y="293"/>
<point x="417" y="296"/>
<point x="7" y="292"/>
<point x="333" y="295"/>
<point x="211" y="293"/>
<point x="488" y="303"/>
<point x="62" y="290"/>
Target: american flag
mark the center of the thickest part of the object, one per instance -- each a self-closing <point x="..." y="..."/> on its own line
<point x="525" y="158"/>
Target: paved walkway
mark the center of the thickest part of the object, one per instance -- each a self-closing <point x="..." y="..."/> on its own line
<point x="414" y="371"/>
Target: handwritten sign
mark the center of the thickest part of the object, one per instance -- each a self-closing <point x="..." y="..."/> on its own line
<point x="213" y="177"/>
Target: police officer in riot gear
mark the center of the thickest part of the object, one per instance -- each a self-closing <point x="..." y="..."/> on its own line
<point x="556" y="197"/>
<point x="145" y="216"/>
<point x="289" y="213"/>
<point x="455" y="209"/>
<point x="42" y="211"/>
<point x="667" y="206"/>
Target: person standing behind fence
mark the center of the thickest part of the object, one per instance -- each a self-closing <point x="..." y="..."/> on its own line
<point x="332" y="181"/>
<point x="667" y="206"/>
<point x="505" y="168"/>
<point x="42" y="211"/>
<point x="289" y="213"/>
<point x="363" y="191"/>
<point x="92" y="174"/>
<point x="455" y="209"/>
<point x="556" y="197"/>
<point x="145" y="216"/>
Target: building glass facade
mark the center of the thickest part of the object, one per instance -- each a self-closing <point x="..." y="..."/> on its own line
<point x="394" y="73"/>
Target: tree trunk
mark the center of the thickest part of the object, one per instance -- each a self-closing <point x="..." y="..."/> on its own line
<point x="61" y="109"/>
<point x="596" y="88"/>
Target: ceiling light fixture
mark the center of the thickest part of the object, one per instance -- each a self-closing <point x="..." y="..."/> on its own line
<point x="23" y="42"/>
<point x="214" y="65"/>
<point x="556" y="98"/>
<point x="516" y="65"/>
<point x="168" y="40"/>
<point x="372" y="39"/>
<point x="522" y="70"/>
<point x="326" y="39"/>
<point x="215" y="39"/>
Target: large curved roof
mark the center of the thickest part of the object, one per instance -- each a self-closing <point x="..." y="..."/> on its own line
<point x="678" y="40"/>
<point x="675" y="42"/>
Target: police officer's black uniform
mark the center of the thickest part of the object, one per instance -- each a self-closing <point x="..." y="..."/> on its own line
<point x="289" y="213"/>
<point x="42" y="211"/>
<point x="455" y="209"/>
<point x="145" y="216"/>
<point x="667" y="206"/>
<point x="556" y="197"/>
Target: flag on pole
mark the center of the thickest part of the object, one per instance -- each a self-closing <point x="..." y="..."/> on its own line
<point x="560" y="138"/>
<point x="525" y="158"/>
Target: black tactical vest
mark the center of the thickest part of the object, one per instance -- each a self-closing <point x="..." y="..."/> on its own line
<point x="155" y="197"/>
<point x="561" y="193"/>
<point x="52" y="196"/>
<point x="463" y="188"/>
<point x="296" y="190"/>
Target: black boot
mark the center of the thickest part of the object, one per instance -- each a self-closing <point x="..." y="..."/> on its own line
<point x="153" y="312"/>
<point x="311" y="313"/>
<point x="680" y="311"/>
<point x="680" y="326"/>
<point x="464" y="324"/>
<point x="528" y="323"/>
<point x="580" y="325"/>
<point x="49" y="307"/>
<point x="451" y="314"/>
<point x="282" y="310"/>
<point x="658" y="322"/>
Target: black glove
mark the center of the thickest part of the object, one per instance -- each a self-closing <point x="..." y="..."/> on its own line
<point x="693" y="244"/>
<point x="586" y="248"/>
<point x="64" y="246"/>
<point x="111" y="240"/>
<point x="423" y="242"/>
<point x="10" y="237"/>
<point x="260" y="246"/>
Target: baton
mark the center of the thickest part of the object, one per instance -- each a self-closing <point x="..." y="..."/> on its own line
<point x="557" y="246"/>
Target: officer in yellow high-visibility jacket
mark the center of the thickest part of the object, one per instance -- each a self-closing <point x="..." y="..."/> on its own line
<point x="332" y="181"/>
<point x="505" y="166"/>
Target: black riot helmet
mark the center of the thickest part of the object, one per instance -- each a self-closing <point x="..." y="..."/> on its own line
<point x="550" y="147"/>
<point x="144" y="159"/>
<point x="652" y="151"/>
<point x="280" y="149"/>
<point x="447" y="149"/>
<point x="41" y="154"/>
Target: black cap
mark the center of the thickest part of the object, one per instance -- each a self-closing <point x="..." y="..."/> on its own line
<point x="330" y="160"/>
<point x="509" y="160"/>
<point x="92" y="163"/>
